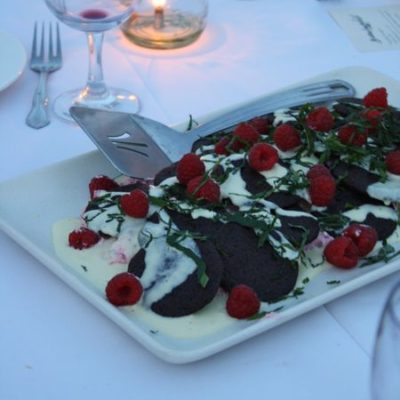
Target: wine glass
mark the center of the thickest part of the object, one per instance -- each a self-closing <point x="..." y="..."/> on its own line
<point x="94" y="17"/>
<point x="385" y="382"/>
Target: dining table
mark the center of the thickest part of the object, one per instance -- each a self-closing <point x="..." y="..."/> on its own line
<point x="54" y="344"/>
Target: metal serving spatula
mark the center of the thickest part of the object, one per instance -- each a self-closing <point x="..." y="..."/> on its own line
<point x="140" y="147"/>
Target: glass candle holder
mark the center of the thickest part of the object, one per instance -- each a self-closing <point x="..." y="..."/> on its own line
<point x="166" y="24"/>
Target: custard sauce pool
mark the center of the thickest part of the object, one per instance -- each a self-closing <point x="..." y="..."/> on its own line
<point x="93" y="265"/>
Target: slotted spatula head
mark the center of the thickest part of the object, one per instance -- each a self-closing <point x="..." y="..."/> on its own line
<point x="122" y="141"/>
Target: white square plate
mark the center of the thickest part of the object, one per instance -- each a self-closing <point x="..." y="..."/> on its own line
<point x="60" y="191"/>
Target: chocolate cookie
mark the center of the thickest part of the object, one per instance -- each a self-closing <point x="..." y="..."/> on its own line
<point x="244" y="260"/>
<point x="256" y="183"/>
<point x="190" y="295"/>
<point x="354" y="177"/>
<point x="260" y="267"/>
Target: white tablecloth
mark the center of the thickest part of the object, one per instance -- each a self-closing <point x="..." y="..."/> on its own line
<point x="53" y="344"/>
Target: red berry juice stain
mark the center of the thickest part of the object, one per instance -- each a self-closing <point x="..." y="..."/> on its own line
<point x="94" y="14"/>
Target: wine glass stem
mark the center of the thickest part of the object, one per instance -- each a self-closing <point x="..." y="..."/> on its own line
<point x="95" y="86"/>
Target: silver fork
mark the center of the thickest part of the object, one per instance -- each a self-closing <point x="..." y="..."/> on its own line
<point x="44" y="63"/>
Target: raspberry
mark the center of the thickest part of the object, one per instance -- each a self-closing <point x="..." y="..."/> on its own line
<point x="363" y="236"/>
<point x="83" y="238"/>
<point x="221" y="146"/>
<point x="318" y="170"/>
<point x="341" y="252"/>
<point x="102" y="182"/>
<point x="286" y="137"/>
<point x="261" y="124"/>
<point x="350" y="135"/>
<point x="392" y="161"/>
<point x="376" y="98"/>
<point x="373" y="116"/>
<point x="124" y="289"/>
<point x="236" y="144"/>
<point x="228" y="145"/>
<point x="263" y="156"/>
<point x="203" y="188"/>
<point x="320" y="119"/>
<point x="189" y="167"/>
<point x="245" y="134"/>
<point x="322" y="190"/>
<point x="242" y="302"/>
<point x="135" y="204"/>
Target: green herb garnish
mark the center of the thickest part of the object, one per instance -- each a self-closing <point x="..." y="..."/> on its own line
<point x="386" y="253"/>
<point x="333" y="282"/>
<point x="175" y="239"/>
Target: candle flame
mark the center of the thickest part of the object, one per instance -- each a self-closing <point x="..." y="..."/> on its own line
<point x="159" y="3"/>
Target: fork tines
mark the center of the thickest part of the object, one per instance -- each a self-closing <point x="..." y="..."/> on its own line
<point x="58" y="41"/>
<point x="40" y="52"/>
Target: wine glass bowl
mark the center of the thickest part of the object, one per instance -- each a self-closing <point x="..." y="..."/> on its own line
<point x="94" y="17"/>
<point x="91" y="16"/>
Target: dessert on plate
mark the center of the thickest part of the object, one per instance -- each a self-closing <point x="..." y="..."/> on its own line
<point x="250" y="215"/>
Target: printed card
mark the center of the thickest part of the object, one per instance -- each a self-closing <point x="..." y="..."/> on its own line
<point x="370" y="29"/>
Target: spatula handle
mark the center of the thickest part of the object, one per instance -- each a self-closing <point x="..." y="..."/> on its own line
<point x="312" y="93"/>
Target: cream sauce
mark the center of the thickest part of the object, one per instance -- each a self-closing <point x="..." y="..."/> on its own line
<point x="388" y="191"/>
<point x="92" y="266"/>
<point x="166" y="267"/>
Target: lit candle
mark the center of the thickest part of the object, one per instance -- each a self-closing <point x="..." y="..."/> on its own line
<point x="159" y="14"/>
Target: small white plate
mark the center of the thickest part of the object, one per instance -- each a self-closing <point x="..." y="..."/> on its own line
<point x="61" y="191"/>
<point x="13" y="56"/>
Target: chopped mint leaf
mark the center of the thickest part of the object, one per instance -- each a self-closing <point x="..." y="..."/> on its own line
<point x="333" y="282"/>
<point x="191" y="123"/>
<point x="332" y="222"/>
<point x="295" y="293"/>
<point x="150" y="238"/>
<point x="119" y="217"/>
<point x="173" y="240"/>
<point x="298" y="292"/>
<point x="386" y="253"/>
<point x="258" y="315"/>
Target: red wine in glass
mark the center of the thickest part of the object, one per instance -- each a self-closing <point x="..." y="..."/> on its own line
<point x="94" y="13"/>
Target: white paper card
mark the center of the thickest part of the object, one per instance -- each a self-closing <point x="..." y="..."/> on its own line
<point x="370" y="29"/>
